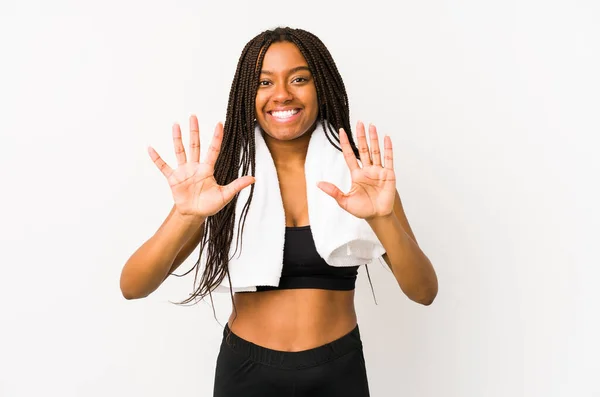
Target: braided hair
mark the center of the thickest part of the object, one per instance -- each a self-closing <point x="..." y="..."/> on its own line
<point x="238" y="151"/>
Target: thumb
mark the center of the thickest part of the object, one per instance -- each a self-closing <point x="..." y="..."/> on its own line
<point x="334" y="192"/>
<point x="234" y="187"/>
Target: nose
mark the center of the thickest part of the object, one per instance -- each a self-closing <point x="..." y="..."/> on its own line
<point x="282" y="93"/>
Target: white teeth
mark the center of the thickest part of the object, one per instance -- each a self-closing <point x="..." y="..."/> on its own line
<point x="284" y="114"/>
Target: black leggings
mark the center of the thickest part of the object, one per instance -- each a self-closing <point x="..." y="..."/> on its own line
<point x="245" y="369"/>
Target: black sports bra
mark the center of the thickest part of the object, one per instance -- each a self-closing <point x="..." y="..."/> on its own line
<point x="304" y="268"/>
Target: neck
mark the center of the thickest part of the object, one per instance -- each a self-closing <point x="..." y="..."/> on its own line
<point x="288" y="153"/>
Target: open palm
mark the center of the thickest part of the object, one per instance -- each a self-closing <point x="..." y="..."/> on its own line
<point x="373" y="187"/>
<point x="194" y="188"/>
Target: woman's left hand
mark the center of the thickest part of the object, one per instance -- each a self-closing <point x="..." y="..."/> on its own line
<point x="373" y="189"/>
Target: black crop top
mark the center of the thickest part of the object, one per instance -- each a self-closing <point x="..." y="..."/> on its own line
<point x="303" y="267"/>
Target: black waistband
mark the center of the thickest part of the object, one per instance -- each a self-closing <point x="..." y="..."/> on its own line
<point x="293" y="360"/>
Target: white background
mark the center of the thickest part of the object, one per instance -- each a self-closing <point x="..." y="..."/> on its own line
<point x="493" y="110"/>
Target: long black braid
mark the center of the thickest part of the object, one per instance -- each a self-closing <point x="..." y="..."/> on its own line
<point x="238" y="154"/>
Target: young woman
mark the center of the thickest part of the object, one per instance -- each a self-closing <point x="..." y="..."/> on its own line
<point x="297" y="336"/>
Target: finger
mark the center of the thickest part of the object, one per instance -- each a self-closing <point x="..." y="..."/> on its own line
<point x="215" y="146"/>
<point x="159" y="162"/>
<point x="363" y="147"/>
<point x="375" y="150"/>
<point x="194" y="140"/>
<point x="334" y="192"/>
<point x="234" y="187"/>
<point x="178" y="145"/>
<point x="388" y="153"/>
<point x="347" y="150"/>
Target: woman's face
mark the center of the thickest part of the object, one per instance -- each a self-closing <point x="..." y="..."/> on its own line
<point x="286" y="99"/>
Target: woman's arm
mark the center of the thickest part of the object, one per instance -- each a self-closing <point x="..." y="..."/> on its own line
<point x="160" y="255"/>
<point x="411" y="267"/>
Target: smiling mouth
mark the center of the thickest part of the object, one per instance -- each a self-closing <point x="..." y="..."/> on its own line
<point x="284" y="115"/>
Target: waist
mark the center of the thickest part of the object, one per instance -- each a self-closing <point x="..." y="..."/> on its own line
<point x="339" y="347"/>
<point x="293" y="320"/>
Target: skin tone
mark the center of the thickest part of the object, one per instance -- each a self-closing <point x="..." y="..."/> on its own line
<point x="305" y="318"/>
<point x="286" y="110"/>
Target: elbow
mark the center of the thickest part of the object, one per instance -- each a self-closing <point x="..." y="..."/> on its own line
<point x="427" y="301"/>
<point x="428" y="290"/>
<point x="426" y="294"/>
<point x="129" y="290"/>
<point x="423" y="297"/>
<point x="429" y="295"/>
<point x="129" y="295"/>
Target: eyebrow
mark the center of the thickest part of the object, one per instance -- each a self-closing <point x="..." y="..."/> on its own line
<point x="294" y="70"/>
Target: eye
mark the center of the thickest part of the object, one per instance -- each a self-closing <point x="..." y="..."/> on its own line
<point x="300" y="80"/>
<point x="264" y="83"/>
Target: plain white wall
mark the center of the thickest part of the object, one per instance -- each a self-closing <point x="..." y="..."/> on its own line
<point x="493" y="110"/>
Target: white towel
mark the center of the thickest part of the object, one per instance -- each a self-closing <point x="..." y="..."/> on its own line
<point x="341" y="239"/>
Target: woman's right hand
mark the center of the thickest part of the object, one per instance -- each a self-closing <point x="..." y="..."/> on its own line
<point x="195" y="190"/>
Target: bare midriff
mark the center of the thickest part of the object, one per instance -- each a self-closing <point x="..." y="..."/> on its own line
<point x="294" y="319"/>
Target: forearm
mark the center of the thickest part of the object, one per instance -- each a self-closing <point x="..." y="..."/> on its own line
<point x="411" y="267"/>
<point x="147" y="268"/>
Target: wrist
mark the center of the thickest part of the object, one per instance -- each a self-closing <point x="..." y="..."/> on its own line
<point x="382" y="219"/>
<point x="187" y="219"/>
